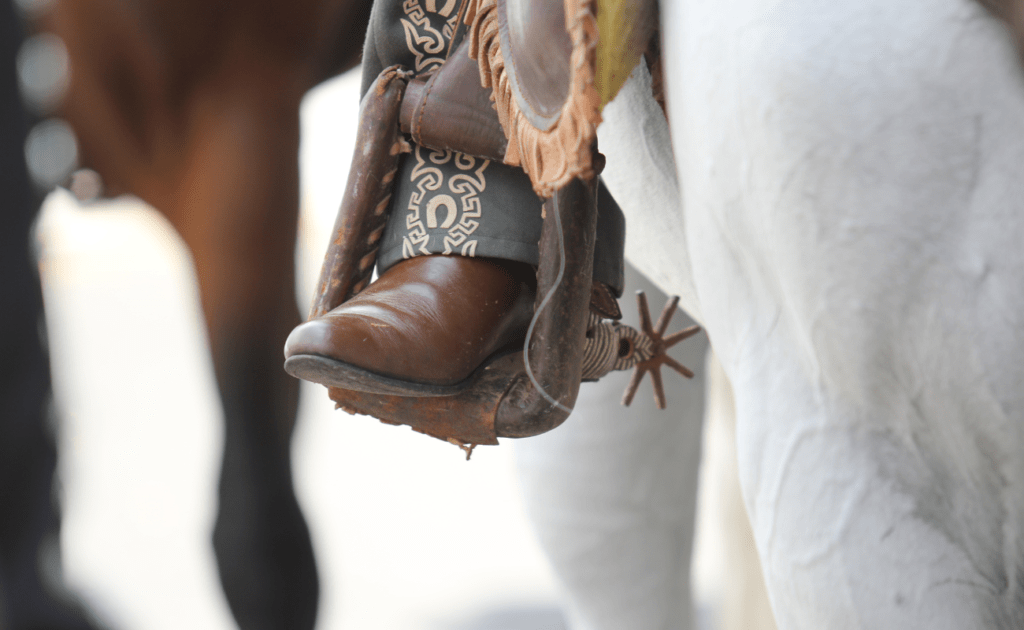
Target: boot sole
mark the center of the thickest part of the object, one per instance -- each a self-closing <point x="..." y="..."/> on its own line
<point x="334" y="373"/>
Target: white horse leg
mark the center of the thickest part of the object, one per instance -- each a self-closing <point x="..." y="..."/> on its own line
<point x="854" y="214"/>
<point x="641" y="174"/>
<point x="612" y="493"/>
<point x="726" y="569"/>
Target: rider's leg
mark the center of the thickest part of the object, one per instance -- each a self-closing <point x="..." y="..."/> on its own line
<point x="428" y="321"/>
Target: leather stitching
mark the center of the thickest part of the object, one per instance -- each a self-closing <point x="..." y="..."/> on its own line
<point x="423" y="107"/>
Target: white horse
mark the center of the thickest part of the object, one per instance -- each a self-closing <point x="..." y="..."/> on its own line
<point x="845" y="216"/>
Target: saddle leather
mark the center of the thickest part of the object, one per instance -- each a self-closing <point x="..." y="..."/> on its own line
<point x="537" y="50"/>
<point x="449" y="109"/>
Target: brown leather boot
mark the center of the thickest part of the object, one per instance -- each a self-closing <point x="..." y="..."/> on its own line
<point x="422" y="329"/>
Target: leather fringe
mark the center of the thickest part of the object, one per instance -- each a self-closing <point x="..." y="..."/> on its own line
<point x="554" y="157"/>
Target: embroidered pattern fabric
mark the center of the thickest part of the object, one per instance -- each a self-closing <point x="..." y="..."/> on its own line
<point x="445" y="202"/>
<point x="428" y="45"/>
<point x="468" y="183"/>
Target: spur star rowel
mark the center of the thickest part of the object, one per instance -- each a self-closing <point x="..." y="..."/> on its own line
<point x="660" y="343"/>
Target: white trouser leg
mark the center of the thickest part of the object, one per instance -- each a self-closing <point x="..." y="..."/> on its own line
<point x="727" y="576"/>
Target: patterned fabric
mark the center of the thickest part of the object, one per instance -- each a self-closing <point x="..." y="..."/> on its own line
<point x="449" y="203"/>
<point x="446" y="202"/>
<point x="416" y="34"/>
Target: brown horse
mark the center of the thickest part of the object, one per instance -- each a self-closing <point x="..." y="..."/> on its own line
<point x="193" y="106"/>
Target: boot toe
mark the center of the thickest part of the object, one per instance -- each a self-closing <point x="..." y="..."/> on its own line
<point x="427" y="322"/>
<point x="312" y="337"/>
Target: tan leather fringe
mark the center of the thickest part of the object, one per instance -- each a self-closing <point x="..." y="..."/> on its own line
<point x="554" y="157"/>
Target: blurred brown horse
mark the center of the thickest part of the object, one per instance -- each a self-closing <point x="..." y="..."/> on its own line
<point x="193" y="106"/>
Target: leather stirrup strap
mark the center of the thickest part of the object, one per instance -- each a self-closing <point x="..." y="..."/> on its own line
<point x="449" y="109"/>
<point x="352" y="253"/>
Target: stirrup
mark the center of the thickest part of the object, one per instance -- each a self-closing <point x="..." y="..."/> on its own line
<point x="570" y="339"/>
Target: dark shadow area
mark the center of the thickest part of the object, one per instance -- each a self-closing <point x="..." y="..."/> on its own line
<point x="32" y="594"/>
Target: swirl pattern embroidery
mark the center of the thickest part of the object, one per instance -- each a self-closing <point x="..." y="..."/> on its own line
<point x="424" y="40"/>
<point x="466" y="185"/>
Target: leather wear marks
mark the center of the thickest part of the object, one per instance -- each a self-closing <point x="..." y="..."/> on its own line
<point x="432" y="208"/>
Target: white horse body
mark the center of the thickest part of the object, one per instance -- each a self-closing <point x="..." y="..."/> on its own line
<point x="849" y="227"/>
